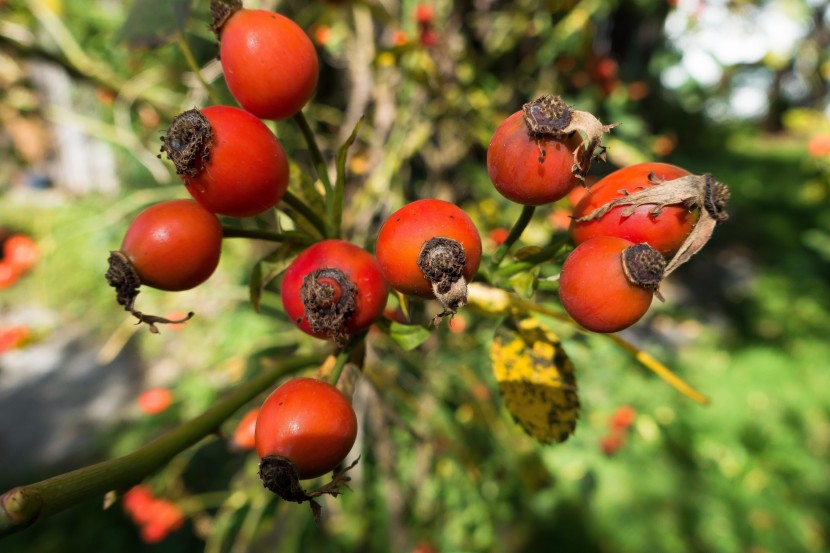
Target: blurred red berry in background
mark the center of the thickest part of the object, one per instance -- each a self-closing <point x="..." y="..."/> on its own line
<point x="819" y="145"/>
<point x="243" y="436"/>
<point x="8" y="274"/>
<point x="20" y="251"/>
<point x="611" y="443"/>
<point x="623" y="418"/>
<point x="155" y="400"/>
<point x="156" y="517"/>
<point x="13" y="337"/>
<point x="424" y="14"/>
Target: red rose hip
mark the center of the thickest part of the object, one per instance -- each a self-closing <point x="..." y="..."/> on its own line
<point x="333" y="290"/>
<point x="664" y="231"/>
<point x="174" y="245"/>
<point x="607" y="283"/>
<point x="228" y="159"/>
<point x="528" y="169"/>
<point x="430" y="248"/>
<point x="270" y="63"/>
<point x="308" y="422"/>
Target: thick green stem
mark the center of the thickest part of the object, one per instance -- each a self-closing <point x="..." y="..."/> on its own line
<point x="270" y="236"/>
<point x="191" y="63"/>
<point x="297" y="204"/>
<point x="319" y="166"/>
<point x="23" y="506"/>
<point x="514" y="234"/>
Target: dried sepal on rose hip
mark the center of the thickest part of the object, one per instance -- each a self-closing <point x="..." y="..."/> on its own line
<point x="170" y="246"/>
<point x="430" y="249"/>
<point x="220" y="11"/>
<point x="551" y="116"/>
<point x="695" y="192"/>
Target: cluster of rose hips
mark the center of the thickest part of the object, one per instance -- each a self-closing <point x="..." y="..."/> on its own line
<point x="631" y="228"/>
<point x="233" y="165"/>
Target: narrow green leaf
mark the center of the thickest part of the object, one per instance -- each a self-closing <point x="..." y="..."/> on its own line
<point x="340" y="179"/>
<point x="255" y="286"/>
<point x="267" y="269"/>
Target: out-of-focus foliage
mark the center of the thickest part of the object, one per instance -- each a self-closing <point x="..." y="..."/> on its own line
<point x="738" y="89"/>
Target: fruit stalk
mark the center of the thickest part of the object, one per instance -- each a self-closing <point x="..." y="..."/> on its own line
<point x="297" y="204"/>
<point x="267" y="235"/>
<point x="22" y="506"/>
<point x="514" y="234"/>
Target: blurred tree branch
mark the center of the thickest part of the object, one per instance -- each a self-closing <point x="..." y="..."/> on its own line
<point x="23" y="506"/>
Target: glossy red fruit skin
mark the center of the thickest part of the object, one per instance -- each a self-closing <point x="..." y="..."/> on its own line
<point x="310" y="423"/>
<point x="404" y="233"/>
<point x="514" y="168"/>
<point x="247" y="171"/>
<point x="357" y="264"/>
<point x="594" y="290"/>
<point x="174" y="245"/>
<point x="665" y="233"/>
<point x="270" y="64"/>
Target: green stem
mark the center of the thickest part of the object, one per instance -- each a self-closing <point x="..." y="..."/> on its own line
<point x="343" y="357"/>
<point x="545" y="254"/>
<point x="514" y="234"/>
<point x="194" y="66"/>
<point x="297" y="204"/>
<point x="22" y="506"/>
<point x="547" y="285"/>
<point x="319" y="163"/>
<point x="270" y="236"/>
<point x="339" y="364"/>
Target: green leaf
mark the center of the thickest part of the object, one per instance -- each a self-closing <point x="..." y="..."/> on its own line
<point x="255" y="286"/>
<point x="536" y="379"/>
<point x="340" y="179"/>
<point x="524" y="283"/>
<point x="408" y="337"/>
<point x="267" y="269"/>
<point x="153" y="23"/>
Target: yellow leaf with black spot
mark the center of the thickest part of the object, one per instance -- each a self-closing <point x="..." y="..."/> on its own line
<point x="536" y="379"/>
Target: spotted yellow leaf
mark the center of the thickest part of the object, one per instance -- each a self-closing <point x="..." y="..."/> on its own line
<point x="536" y="379"/>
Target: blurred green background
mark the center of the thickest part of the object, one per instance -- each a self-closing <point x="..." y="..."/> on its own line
<point x="735" y="88"/>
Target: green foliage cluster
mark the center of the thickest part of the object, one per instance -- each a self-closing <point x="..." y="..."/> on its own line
<point x="443" y="463"/>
